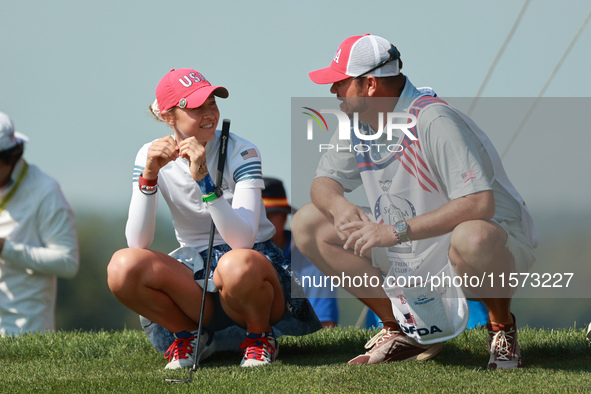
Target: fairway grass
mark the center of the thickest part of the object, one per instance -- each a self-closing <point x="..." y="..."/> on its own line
<point x="125" y="362"/>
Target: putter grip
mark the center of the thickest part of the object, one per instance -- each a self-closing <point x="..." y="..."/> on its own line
<point x="223" y="150"/>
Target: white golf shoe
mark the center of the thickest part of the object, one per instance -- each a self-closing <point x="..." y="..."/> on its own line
<point x="181" y="354"/>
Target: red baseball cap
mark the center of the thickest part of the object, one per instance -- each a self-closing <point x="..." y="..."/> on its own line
<point x="356" y="56"/>
<point x="186" y="88"/>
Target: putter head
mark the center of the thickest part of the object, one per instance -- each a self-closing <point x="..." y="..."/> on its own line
<point x="179" y="380"/>
<point x="188" y="380"/>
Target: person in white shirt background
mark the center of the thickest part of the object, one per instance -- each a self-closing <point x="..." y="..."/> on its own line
<point x="38" y="239"/>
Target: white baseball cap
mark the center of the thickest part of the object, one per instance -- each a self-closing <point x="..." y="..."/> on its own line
<point x="8" y="137"/>
<point x="358" y="56"/>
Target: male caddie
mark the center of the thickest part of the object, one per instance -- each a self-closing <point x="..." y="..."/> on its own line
<point x="443" y="203"/>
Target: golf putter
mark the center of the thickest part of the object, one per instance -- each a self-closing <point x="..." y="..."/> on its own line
<point x="221" y="163"/>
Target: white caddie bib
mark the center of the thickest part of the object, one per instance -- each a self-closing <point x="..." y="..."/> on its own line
<point x="400" y="186"/>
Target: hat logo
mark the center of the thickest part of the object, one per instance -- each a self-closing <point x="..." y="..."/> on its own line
<point x="182" y="103"/>
<point x="187" y="80"/>
<point x="337" y="56"/>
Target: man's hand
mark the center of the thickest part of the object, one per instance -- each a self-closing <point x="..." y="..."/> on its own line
<point x="343" y="213"/>
<point x="329" y="197"/>
<point x="365" y="235"/>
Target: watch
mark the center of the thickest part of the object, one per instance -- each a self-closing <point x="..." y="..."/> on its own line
<point x="216" y="193"/>
<point x="400" y="228"/>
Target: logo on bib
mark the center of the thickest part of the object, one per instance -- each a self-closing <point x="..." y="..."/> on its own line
<point x="421" y="331"/>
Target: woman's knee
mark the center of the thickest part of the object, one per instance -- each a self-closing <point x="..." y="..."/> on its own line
<point x="242" y="267"/>
<point x="122" y="266"/>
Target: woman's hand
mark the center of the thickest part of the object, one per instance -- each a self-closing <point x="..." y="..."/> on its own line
<point x="160" y="153"/>
<point x="194" y="151"/>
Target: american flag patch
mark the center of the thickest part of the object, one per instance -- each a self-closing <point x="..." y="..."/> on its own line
<point x="249" y="153"/>
<point x="466" y="176"/>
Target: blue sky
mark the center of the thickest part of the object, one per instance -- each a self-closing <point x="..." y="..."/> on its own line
<point x="77" y="77"/>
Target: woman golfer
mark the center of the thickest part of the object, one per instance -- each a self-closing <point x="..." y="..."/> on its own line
<point x="252" y="280"/>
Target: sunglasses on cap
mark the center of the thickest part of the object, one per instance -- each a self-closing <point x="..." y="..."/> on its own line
<point x="394" y="55"/>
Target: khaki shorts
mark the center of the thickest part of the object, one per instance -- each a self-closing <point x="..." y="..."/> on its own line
<point x="519" y="246"/>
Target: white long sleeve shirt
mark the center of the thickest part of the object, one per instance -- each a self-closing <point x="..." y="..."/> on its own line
<point x="40" y="245"/>
<point x="239" y="216"/>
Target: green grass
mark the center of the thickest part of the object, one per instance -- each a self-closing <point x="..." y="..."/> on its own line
<point x="124" y="361"/>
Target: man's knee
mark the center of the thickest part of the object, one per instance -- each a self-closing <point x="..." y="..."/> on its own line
<point x="475" y="237"/>
<point x="303" y="218"/>
<point x="304" y="224"/>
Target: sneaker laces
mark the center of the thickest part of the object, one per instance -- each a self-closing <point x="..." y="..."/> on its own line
<point x="501" y="345"/>
<point x="257" y="348"/>
<point x="380" y="337"/>
<point x="180" y="348"/>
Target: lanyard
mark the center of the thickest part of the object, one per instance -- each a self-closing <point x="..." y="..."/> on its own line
<point x="8" y="196"/>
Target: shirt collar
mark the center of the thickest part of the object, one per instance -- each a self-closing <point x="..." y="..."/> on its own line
<point x="409" y="93"/>
<point x="15" y="171"/>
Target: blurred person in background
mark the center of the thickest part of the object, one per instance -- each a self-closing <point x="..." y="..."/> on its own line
<point x="322" y="298"/>
<point x="38" y="240"/>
